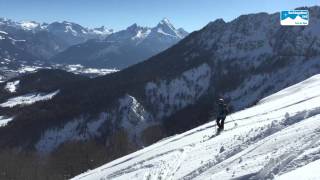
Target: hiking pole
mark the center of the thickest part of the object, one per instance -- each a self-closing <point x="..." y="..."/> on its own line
<point x="232" y="120"/>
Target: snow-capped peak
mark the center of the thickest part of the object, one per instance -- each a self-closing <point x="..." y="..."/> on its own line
<point x="166" y="21"/>
<point x="66" y="27"/>
<point x="102" y="30"/>
<point x="137" y="32"/>
<point x="166" y="28"/>
<point x="141" y="34"/>
<point x="67" y="23"/>
<point x="134" y="27"/>
<point x="164" y="32"/>
<point x="29" y="25"/>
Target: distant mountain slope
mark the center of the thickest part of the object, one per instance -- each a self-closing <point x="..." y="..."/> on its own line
<point x="45" y="80"/>
<point x="13" y="55"/>
<point x="45" y="40"/>
<point x="26" y="46"/>
<point x="35" y="43"/>
<point x="279" y="135"/>
<point x="13" y="50"/>
<point x="124" y="48"/>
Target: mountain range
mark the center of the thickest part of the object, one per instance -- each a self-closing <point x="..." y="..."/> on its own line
<point x="124" y="48"/>
<point x="45" y="40"/>
<point x="36" y="45"/>
<point x="92" y="121"/>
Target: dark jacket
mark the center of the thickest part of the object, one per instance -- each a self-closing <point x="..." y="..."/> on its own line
<point x="222" y="110"/>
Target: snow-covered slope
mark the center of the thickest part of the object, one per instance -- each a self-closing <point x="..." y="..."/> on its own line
<point x="28" y="99"/>
<point x="277" y="138"/>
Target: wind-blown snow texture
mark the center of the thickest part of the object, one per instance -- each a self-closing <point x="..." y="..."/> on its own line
<point x="277" y="138"/>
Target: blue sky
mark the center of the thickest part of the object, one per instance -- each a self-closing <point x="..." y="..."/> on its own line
<point x="119" y="14"/>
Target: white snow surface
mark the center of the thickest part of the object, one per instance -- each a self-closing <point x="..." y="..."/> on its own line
<point x="307" y="172"/>
<point x="278" y="138"/>
<point x="12" y="86"/>
<point x="79" y="69"/>
<point x="28" y="99"/>
<point x="29" y="25"/>
<point x="29" y="69"/>
<point x="2" y="32"/>
<point x="4" y="121"/>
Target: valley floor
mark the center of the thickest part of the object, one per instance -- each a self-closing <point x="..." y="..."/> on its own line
<point x="279" y="138"/>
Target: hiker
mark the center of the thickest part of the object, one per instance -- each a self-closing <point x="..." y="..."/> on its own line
<point x="222" y="111"/>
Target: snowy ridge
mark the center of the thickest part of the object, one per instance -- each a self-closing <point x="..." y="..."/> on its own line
<point x="29" y="25"/>
<point x="2" y="32"/>
<point x="166" y="28"/>
<point x="278" y="138"/>
<point x="29" y="69"/>
<point x="102" y="31"/>
<point x="28" y="99"/>
<point x="164" y="31"/>
<point x="79" y="69"/>
<point x="123" y="48"/>
<point x="26" y="69"/>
